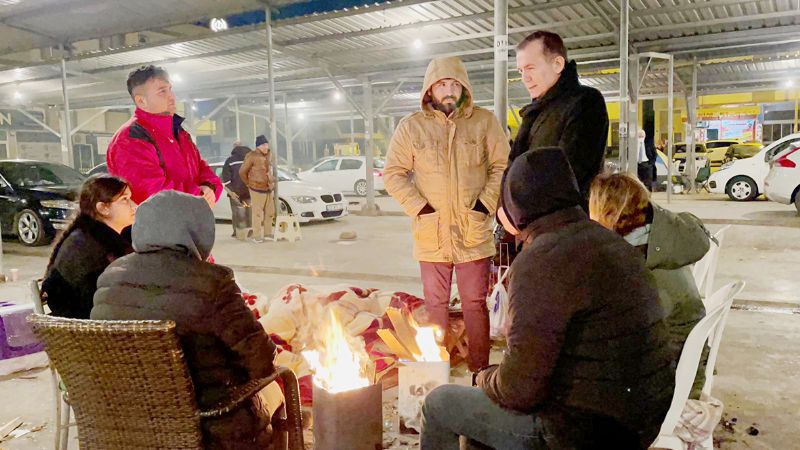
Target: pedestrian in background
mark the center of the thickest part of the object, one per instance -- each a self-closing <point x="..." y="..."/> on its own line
<point x="256" y="174"/>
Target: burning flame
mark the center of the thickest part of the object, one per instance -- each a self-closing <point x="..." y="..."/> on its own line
<point x="340" y="362"/>
<point x="427" y="343"/>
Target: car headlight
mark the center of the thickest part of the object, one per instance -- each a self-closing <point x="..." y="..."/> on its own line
<point x="304" y="199"/>
<point x="727" y="165"/>
<point x="59" y="204"/>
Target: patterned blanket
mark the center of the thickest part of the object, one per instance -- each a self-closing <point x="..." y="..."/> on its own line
<point x="290" y="318"/>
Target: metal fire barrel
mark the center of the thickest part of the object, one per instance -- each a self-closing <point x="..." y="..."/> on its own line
<point x="351" y="420"/>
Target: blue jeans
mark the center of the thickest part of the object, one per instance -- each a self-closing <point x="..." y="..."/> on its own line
<point x="452" y="410"/>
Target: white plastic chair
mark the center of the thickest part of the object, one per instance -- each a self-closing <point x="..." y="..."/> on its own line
<point x="705" y="270"/>
<point x="62" y="408"/>
<point x="709" y="329"/>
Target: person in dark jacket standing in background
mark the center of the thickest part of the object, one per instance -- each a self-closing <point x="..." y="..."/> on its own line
<point x="256" y="173"/>
<point x="587" y="364"/>
<point x="98" y="235"/>
<point x="168" y="278"/>
<point x="238" y="193"/>
<point x="563" y="113"/>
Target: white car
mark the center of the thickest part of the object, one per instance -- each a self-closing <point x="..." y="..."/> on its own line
<point x="783" y="182"/>
<point x="344" y="174"/>
<point x="743" y="179"/>
<point x="306" y="201"/>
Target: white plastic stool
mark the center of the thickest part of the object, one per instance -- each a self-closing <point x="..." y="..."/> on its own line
<point x="287" y="227"/>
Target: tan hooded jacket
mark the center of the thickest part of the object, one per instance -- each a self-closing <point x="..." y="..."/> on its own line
<point x="450" y="163"/>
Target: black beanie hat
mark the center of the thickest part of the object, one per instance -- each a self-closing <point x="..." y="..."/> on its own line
<point x="539" y="182"/>
<point x="261" y="140"/>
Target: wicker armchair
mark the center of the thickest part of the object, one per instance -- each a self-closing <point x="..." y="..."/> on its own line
<point x="129" y="385"/>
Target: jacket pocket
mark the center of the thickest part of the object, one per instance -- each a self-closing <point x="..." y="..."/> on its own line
<point x="479" y="229"/>
<point x="473" y="151"/>
<point x="426" y="155"/>
<point x="426" y="232"/>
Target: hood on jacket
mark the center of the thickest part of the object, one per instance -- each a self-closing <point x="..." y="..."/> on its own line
<point x="175" y="221"/>
<point x="439" y="69"/>
<point x="239" y="152"/>
<point x="538" y="183"/>
<point x="676" y="240"/>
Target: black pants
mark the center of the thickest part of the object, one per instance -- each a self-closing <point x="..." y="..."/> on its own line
<point x="240" y="216"/>
<point x="645" y="172"/>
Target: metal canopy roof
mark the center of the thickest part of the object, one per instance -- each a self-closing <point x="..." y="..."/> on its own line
<point x="759" y="41"/>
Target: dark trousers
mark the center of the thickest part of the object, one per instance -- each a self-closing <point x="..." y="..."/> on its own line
<point x="645" y="172"/>
<point x="240" y="216"/>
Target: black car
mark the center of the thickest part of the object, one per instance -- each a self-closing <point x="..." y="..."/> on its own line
<point x="37" y="198"/>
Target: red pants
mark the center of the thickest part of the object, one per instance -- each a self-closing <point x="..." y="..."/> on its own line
<point x="473" y="283"/>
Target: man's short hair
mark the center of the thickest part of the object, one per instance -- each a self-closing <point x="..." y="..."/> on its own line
<point x="143" y="74"/>
<point x="552" y="43"/>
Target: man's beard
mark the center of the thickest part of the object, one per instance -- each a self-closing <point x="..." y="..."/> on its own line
<point x="446" y="108"/>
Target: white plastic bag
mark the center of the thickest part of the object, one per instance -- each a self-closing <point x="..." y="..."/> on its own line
<point x="498" y="306"/>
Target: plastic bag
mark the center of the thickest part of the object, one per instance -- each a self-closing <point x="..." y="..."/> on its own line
<point x="498" y="305"/>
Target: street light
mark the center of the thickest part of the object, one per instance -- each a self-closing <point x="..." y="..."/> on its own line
<point x="337" y="95"/>
<point x="417" y="43"/>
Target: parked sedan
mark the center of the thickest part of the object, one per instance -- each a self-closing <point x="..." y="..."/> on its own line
<point x="306" y="201"/>
<point x="344" y="174"/>
<point x="783" y="181"/>
<point x="36" y="199"/>
<point x="743" y="179"/>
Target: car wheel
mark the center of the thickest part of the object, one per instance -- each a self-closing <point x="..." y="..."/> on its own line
<point x="361" y="188"/>
<point x="797" y="201"/>
<point x="285" y="209"/>
<point x="30" y="229"/>
<point x="742" y="189"/>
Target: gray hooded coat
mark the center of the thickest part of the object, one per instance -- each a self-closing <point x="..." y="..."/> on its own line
<point x="168" y="278"/>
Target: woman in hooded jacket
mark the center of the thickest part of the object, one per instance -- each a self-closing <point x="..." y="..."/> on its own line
<point x="670" y="242"/>
<point x="98" y="235"/>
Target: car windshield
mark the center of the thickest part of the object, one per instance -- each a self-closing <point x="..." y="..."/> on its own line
<point x="719" y="144"/>
<point x="681" y="148"/>
<point x="286" y="176"/>
<point x="37" y="174"/>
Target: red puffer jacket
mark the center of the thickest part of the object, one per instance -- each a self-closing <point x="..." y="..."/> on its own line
<point x="154" y="153"/>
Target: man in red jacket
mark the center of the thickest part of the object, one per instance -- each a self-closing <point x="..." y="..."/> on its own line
<point x="152" y="151"/>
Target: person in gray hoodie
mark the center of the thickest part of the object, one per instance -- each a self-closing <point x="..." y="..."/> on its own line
<point x="168" y="278"/>
<point x="670" y="242"/>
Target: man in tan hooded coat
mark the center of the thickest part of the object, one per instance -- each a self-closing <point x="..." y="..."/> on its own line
<point x="444" y="167"/>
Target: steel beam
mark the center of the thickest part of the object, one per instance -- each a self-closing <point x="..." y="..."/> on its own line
<point x="89" y="120"/>
<point x="42" y="124"/>
<point x="66" y="138"/>
<point x="369" y="152"/>
<point x="501" y="62"/>
<point x="273" y="127"/>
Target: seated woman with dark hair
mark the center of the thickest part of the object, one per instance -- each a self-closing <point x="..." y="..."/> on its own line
<point x="98" y="235"/>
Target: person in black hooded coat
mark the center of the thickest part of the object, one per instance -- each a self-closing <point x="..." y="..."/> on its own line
<point x="100" y="233"/>
<point x="238" y="193"/>
<point x="587" y="363"/>
<point x="565" y="114"/>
